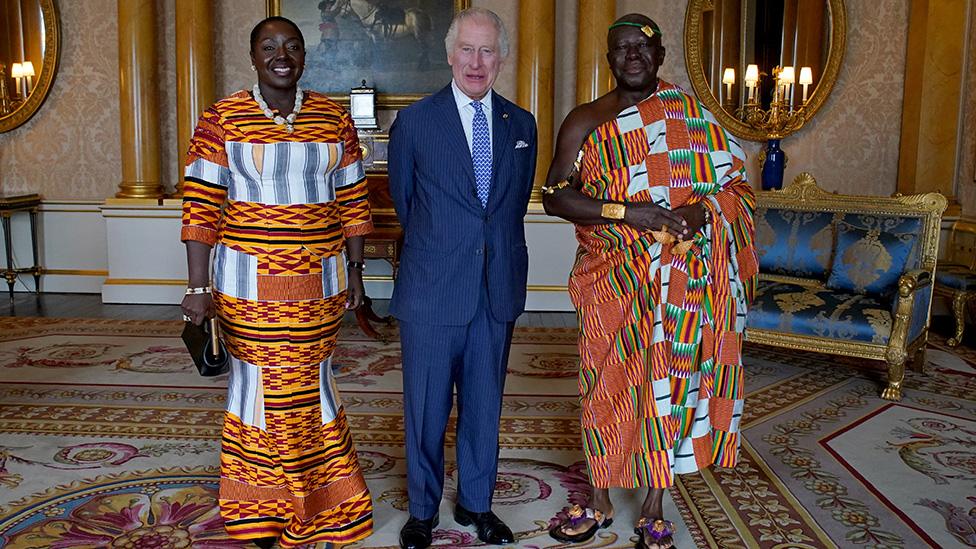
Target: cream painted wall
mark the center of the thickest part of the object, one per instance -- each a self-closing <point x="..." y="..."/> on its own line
<point x="70" y="148"/>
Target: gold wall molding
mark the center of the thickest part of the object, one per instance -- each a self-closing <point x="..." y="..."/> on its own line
<point x="547" y="288"/>
<point x="934" y="79"/>
<point x="138" y="103"/>
<point x="75" y="272"/>
<point x="194" y="73"/>
<point x="144" y="282"/>
<point x="536" y="60"/>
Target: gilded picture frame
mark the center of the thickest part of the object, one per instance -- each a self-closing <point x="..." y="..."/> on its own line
<point x="48" y="68"/>
<point x="695" y="46"/>
<point x="395" y="46"/>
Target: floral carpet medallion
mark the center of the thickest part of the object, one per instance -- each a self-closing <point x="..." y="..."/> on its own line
<point x="108" y="438"/>
<point x="143" y="509"/>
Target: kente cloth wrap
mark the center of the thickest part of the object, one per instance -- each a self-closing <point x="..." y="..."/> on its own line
<point x="661" y="380"/>
<point x="278" y="207"/>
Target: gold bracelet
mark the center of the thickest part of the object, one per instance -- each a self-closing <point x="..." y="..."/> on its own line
<point x="614" y="211"/>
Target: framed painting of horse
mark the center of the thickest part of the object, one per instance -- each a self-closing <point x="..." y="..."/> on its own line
<point x="396" y="46"/>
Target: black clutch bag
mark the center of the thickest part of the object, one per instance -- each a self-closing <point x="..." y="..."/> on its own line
<point x="205" y="347"/>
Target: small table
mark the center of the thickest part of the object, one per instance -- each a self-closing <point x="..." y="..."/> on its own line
<point x="383" y="243"/>
<point x="10" y="204"/>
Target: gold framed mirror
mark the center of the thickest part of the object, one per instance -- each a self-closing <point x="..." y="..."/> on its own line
<point x="764" y="67"/>
<point x="30" y="44"/>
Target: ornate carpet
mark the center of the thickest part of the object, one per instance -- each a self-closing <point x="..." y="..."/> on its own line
<point x="108" y="438"/>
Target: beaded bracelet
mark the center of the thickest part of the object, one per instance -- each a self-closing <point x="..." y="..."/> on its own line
<point x="197" y="291"/>
<point x="358" y="265"/>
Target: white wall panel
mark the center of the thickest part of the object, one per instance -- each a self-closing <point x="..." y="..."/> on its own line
<point x="146" y="260"/>
<point x="552" y="249"/>
<point x="132" y="254"/>
<point x="71" y="247"/>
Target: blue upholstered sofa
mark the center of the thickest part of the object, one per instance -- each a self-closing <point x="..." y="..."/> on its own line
<point x="848" y="275"/>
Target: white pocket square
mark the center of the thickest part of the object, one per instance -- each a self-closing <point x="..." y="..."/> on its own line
<point x="521" y="144"/>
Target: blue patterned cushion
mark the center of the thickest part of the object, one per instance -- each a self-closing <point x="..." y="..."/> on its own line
<point x="872" y="252"/>
<point x="799" y="310"/>
<point x="794" y="242"/>
<point x="957" y="277"/>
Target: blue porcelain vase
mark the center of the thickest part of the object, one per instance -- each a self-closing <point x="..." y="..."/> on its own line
<point x="773" y="166"/>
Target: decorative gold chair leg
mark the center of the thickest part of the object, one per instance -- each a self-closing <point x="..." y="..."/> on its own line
<point x="959" y="301"/>
<point x="896" y="376"/>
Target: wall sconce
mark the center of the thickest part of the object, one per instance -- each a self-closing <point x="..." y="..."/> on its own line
<point x="362" y="107"/>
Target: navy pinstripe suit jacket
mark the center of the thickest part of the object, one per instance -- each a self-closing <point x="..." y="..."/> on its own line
<point x="453" y="246"/>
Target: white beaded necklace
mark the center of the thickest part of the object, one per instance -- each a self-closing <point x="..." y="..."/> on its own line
<point x="289" y="121"/>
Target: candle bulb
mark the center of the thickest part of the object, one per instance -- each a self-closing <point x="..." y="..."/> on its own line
<point x="788" y="78"/>
<point x="806" y="78"/>
<point x="728" y="78"/>
<point x="752" y="80"/>
<point x="28" y="69"/>
<point x="17" y="72"/>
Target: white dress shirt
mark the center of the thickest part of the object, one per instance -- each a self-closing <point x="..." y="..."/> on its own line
<point x="466" y="110"/>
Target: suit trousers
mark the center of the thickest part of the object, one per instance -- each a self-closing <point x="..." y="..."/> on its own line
<point x="436" y="359"/>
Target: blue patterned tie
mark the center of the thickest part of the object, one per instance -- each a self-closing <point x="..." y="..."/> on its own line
<point x="481" y="153"/>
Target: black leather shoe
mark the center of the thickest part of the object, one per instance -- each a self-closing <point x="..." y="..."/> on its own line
<point x="265" y="543"/>
<point x="417" y="533"/>
<point x="491" y="529"/>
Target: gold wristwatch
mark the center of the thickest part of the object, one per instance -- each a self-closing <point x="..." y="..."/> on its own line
<point x="613" y="211"/>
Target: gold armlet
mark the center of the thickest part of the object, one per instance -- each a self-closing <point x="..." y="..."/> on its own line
<point x="613" y="211"/>
<point x="550" y="189"/>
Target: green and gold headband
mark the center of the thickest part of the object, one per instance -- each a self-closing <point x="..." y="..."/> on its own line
<point x="646" y="29"/>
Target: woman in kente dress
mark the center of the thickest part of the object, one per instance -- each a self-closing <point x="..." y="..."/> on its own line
<point x="274" y="182"/>
<point x="662" y="279"/>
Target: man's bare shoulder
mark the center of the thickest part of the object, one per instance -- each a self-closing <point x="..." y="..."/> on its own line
<point x="587" y="117"/>
<point x="581" y="120"/>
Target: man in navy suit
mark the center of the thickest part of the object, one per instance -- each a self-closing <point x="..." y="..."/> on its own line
<point x="461" y="165"/>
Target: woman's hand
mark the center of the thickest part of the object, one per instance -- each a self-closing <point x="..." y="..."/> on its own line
<point x="651" y="217"/>
<point x="198" y="307"/>
<point x="355" y="293"/>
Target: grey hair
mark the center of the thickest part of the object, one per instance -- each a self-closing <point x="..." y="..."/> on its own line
<point x="452" y="32"/>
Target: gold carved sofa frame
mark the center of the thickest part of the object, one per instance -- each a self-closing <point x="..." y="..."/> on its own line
<point x="803" y="194"/>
